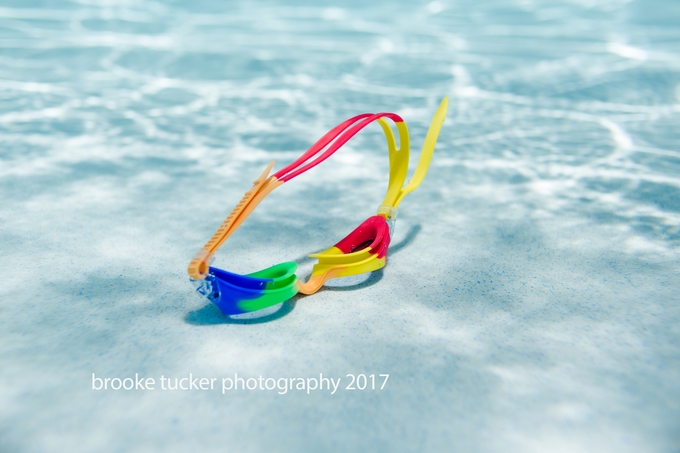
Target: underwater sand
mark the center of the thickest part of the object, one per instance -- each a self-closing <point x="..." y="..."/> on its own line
<point x="531" y="298"/>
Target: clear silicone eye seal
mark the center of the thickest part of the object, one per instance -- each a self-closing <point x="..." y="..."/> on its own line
<point x="363" y="250"/>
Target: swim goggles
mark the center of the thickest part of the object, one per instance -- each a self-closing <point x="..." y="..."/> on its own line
<point x="363" y="250"/>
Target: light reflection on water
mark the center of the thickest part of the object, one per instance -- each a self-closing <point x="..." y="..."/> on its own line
<point x="537" y="297"/>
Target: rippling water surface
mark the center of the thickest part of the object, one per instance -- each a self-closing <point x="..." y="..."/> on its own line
<point x="531" y="299"/>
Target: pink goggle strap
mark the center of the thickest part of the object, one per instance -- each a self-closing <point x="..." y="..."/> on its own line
<point x="341" y="134"/>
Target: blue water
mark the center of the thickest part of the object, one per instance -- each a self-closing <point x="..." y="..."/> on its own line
<point x="531" y="299"/>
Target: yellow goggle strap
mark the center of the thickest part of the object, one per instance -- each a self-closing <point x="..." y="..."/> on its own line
<point x="399" y="158"/>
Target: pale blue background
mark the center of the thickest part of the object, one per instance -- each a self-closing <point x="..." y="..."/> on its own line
<point x="531" y="299"/>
